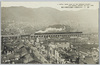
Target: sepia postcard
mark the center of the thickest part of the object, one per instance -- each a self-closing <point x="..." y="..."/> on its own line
<point x="49" y="33"/>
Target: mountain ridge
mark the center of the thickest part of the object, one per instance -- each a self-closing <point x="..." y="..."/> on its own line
<point x="40" y="18"/>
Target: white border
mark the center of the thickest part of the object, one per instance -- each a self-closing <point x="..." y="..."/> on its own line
<point x="52" y="1"/>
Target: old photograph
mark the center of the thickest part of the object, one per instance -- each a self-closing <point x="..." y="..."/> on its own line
<point x="49" y="33"/>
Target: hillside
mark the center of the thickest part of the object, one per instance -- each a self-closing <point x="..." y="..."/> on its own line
<point x="22" y="20"/>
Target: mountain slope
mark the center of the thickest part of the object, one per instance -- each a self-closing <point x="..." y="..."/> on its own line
<point x="27" y="20"/>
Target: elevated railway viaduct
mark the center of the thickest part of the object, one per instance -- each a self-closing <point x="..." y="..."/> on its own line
<point x="10" y="38"/>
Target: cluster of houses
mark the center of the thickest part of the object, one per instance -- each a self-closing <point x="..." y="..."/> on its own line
<point x="41" y="50"/>
<point x="20" y="54"/>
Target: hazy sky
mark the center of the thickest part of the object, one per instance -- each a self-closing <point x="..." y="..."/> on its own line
<point x="56" y="5"/>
